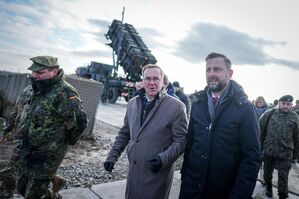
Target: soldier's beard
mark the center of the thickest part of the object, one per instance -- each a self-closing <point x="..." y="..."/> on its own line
<point x="39" y="85"/>
<point x="45" y="85"/>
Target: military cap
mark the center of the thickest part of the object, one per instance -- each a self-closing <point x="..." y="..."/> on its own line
<point x="286" y="98"/>
<point x="42" y="62"/>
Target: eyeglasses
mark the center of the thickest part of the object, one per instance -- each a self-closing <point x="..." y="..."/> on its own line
<point x="154" y="79"/>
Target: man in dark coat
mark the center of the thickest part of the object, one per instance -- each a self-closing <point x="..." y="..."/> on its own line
<point x="154" y="132"/>
<point x="222" y="156"/>
<point x="182" y="96"/>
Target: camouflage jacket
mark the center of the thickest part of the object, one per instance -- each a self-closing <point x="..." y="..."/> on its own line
<point x="296" y="110"/>
<point x="53" y="119"/>
<point x="280" y="140"/>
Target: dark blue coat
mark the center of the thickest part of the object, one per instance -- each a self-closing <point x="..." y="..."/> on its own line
<point x="222" y="157"/>
<point x="185" y="99"/>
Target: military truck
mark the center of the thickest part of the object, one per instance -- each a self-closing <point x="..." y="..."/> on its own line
<point x="130" y="53"/>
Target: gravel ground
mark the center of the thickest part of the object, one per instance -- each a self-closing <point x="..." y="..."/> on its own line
<point x="83" y="164"/>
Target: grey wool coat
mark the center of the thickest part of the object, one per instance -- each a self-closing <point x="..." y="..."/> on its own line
<point x="163" y="133"/>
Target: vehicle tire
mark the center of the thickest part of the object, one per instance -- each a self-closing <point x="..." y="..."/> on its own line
<point x="104" y="99"/>
<point x="104" y="95"/>
<point x="113" y="95"/>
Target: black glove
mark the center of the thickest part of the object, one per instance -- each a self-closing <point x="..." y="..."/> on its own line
<point x="109" y="166"/>
<point x="155" y="164"/>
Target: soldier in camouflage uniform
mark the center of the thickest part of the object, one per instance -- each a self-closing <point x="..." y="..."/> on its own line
<point x="52" y="119"/>
<point x="13" y="130"/>
<point x="280" y="144"/>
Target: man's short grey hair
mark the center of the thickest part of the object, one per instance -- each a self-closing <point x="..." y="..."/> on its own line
<point x="152" y="66"/>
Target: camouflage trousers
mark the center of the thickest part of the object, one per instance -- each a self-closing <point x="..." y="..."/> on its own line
<point x="8" y="175"/>
<point x="7" y="182"/>
<point x="283" y="167"/>
<point x="30" y="187"/>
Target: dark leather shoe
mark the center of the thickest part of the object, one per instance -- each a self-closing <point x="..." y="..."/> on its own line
<point x="282" y="196"/>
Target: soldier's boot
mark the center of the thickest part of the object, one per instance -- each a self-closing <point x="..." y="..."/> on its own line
<point x="269" y="191"/>
<point x="283" y="196"/>
<point x="57" y="196"/>
<point x="7" y="185"/>
<point x="58" y="183"/>
<point x="52" y="195"/>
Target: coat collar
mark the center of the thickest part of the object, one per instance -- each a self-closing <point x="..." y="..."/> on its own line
<point x="158" y="100"/>
<point x="234" y="92"/>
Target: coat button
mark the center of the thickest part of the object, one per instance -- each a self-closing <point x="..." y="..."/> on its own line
<point x="134" y="162"/>
<point x="137" y="141"/>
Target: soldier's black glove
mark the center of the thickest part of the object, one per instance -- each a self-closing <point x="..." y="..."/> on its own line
<point x="109" y="166"/>
<point x="155" y="164"/>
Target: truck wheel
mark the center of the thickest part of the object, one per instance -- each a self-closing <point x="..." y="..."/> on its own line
<point x="113" y="95"/>
<point x="104" y="99"/>
<point x="104" y="96"/>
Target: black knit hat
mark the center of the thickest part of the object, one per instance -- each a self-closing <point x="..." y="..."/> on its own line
<point x="176" y="84"/>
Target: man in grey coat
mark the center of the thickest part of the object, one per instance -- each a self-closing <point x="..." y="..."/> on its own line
<point x="154" y="132"/>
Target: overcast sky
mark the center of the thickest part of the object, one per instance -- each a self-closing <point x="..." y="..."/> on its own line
<point x="260" y="37"/>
